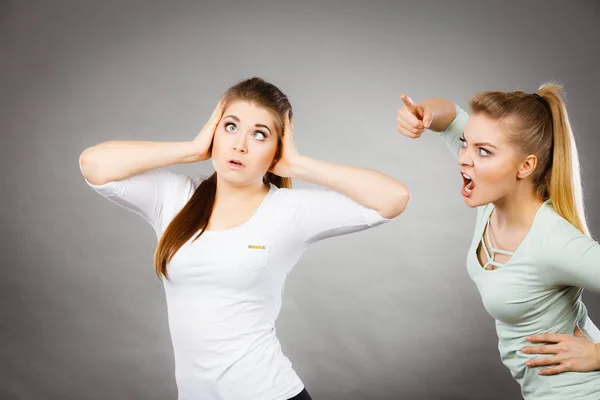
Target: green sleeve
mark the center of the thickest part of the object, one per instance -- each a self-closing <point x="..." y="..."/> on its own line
<point x="573" y="259"/>
<point x="453" y="133"/>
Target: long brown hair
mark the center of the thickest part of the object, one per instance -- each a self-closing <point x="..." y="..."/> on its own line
<point x="538" y="124"/>
<point x="195" y="215"/>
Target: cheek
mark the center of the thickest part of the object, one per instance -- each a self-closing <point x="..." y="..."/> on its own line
<point x="221" y="141"/>
<point x="264" y="154"/>
<point x="497" y="172"/>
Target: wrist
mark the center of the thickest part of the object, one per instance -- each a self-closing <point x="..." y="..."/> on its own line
<point x="300" y="168"/>
<point x="195" y="152"/>
<point x="443" y="113"/>
<point x="597" y="356"/>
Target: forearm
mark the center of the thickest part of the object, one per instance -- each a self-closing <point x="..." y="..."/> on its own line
<point x="118" y="160"/>
<point x="443" y="113"/>
<point x="367" y="187"/>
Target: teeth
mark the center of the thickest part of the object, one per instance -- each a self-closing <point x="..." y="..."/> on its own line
<point x="469" y="186"/>
<point x="466" y="176"/>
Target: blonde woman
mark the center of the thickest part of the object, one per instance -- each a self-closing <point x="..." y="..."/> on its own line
<point x="531" y="254"/>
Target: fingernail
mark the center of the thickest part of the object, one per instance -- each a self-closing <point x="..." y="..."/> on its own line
<point x="528" y="363"/>
<point x="524" y="350"/>
<point x="528" y="338"/>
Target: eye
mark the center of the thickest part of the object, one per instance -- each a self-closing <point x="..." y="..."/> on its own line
<point x="260" y="135"/>
<point x="462" y="139"/>
<point x="230" y="127"/>
<point x="483" y="152"/>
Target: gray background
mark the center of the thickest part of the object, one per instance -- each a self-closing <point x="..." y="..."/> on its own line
<point x="385" y="314"/>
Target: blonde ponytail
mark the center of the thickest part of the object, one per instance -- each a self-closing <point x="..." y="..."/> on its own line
<point x="540" y="125"/>
<point x="564" y="181"/>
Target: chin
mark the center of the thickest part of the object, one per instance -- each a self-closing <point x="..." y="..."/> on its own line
<point x="470" y="202"/>
<point x="476" y="202"/>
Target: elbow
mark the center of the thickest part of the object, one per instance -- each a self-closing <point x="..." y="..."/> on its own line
<point x="397" y="202"/>
<point x="86" y="166"/>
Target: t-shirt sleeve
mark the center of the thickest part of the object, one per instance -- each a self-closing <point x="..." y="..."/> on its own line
<point x="146" y="194"/>
<point x="451" y="136"/>
<point x="572" y="258"/>
<point x="318" y="214"/>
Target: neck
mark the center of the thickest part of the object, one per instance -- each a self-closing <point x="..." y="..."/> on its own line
<point x="518" y="208"/>
<point x="234" y="193"/>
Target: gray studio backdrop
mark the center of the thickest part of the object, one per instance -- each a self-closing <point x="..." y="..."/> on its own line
<point x="388" y="313"/>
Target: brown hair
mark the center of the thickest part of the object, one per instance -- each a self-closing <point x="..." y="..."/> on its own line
<point x="195" y="215"/>
<point x="538" y="124"/>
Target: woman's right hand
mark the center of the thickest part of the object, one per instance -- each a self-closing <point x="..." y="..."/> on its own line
<point x="203" y="142"/>
<point x="413" y="118"/>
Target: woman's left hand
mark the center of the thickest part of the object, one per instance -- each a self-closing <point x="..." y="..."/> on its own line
<point x="289" y="155"/>
<point x="574" y="353"/>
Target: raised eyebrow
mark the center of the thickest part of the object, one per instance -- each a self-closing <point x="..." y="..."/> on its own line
<point x="263" y="126"/>
<point x="479" y="144"/>
<point x="232" y="117"/>
<point x="488" y="144"/>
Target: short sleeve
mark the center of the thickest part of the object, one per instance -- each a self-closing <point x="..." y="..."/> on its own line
<point x="318" y="214"/>
<point x="451" y="136"/>
<point x="147" y="194"/>
<point x="572" y="258"/>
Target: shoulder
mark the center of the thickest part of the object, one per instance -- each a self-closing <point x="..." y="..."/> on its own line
<point x="554" y="231"/>
<point x="174" y="184"/>
<point x="177" y="189"/>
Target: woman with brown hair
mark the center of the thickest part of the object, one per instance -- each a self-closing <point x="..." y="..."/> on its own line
<point x="227" y="243"/>
<point x="531" y="255"/>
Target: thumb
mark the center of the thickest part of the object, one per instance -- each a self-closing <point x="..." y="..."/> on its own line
<point x="578" y="333"/>
<point x="427" y="117"/>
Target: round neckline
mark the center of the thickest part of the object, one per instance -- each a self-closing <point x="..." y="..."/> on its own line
<point x="516" y="252"/>
<point x="249" y="220"/>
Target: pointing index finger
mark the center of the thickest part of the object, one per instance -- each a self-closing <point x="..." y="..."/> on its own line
<point x="408" y="103"/>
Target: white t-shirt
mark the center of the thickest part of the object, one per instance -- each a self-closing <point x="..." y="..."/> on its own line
<point x="224" y="290"/>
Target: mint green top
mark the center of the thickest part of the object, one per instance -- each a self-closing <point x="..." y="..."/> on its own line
<point x="537" y="291"/>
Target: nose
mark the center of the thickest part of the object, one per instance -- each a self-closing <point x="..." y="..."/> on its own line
<point x="464" y="159"/>
<point x="240" y="144"/>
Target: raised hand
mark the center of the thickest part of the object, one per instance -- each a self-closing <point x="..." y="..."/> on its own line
<point x="413" y="118"/>
<point x="203" y="142"/>
<point x="289" y="155"/>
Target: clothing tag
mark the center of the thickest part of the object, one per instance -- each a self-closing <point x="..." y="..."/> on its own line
<point x="256" y="246"/>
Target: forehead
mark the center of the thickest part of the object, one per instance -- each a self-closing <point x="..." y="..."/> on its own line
<point x="250" y="113"/>
<point x="481" y="128"/>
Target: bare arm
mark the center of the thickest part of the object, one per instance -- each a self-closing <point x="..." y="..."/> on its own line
<point x="434" y="113"/>
<point x="367" y="187"/>
<point x="118" y="160"/>
<point x="370" y="188"/>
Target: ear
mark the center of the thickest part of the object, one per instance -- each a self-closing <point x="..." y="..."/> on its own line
<point x="527" y="167"/>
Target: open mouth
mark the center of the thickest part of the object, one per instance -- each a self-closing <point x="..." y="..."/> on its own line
<point x="236" y="164"/>
<point x="468" y="185"/>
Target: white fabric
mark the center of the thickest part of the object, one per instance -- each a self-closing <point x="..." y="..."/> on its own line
<point x="225" y="289"/>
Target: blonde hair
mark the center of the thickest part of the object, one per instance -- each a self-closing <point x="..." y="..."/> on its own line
<point x="538" y="124"/>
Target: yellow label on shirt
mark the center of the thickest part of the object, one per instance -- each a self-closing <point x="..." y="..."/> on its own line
<point x="256" y="246"/>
